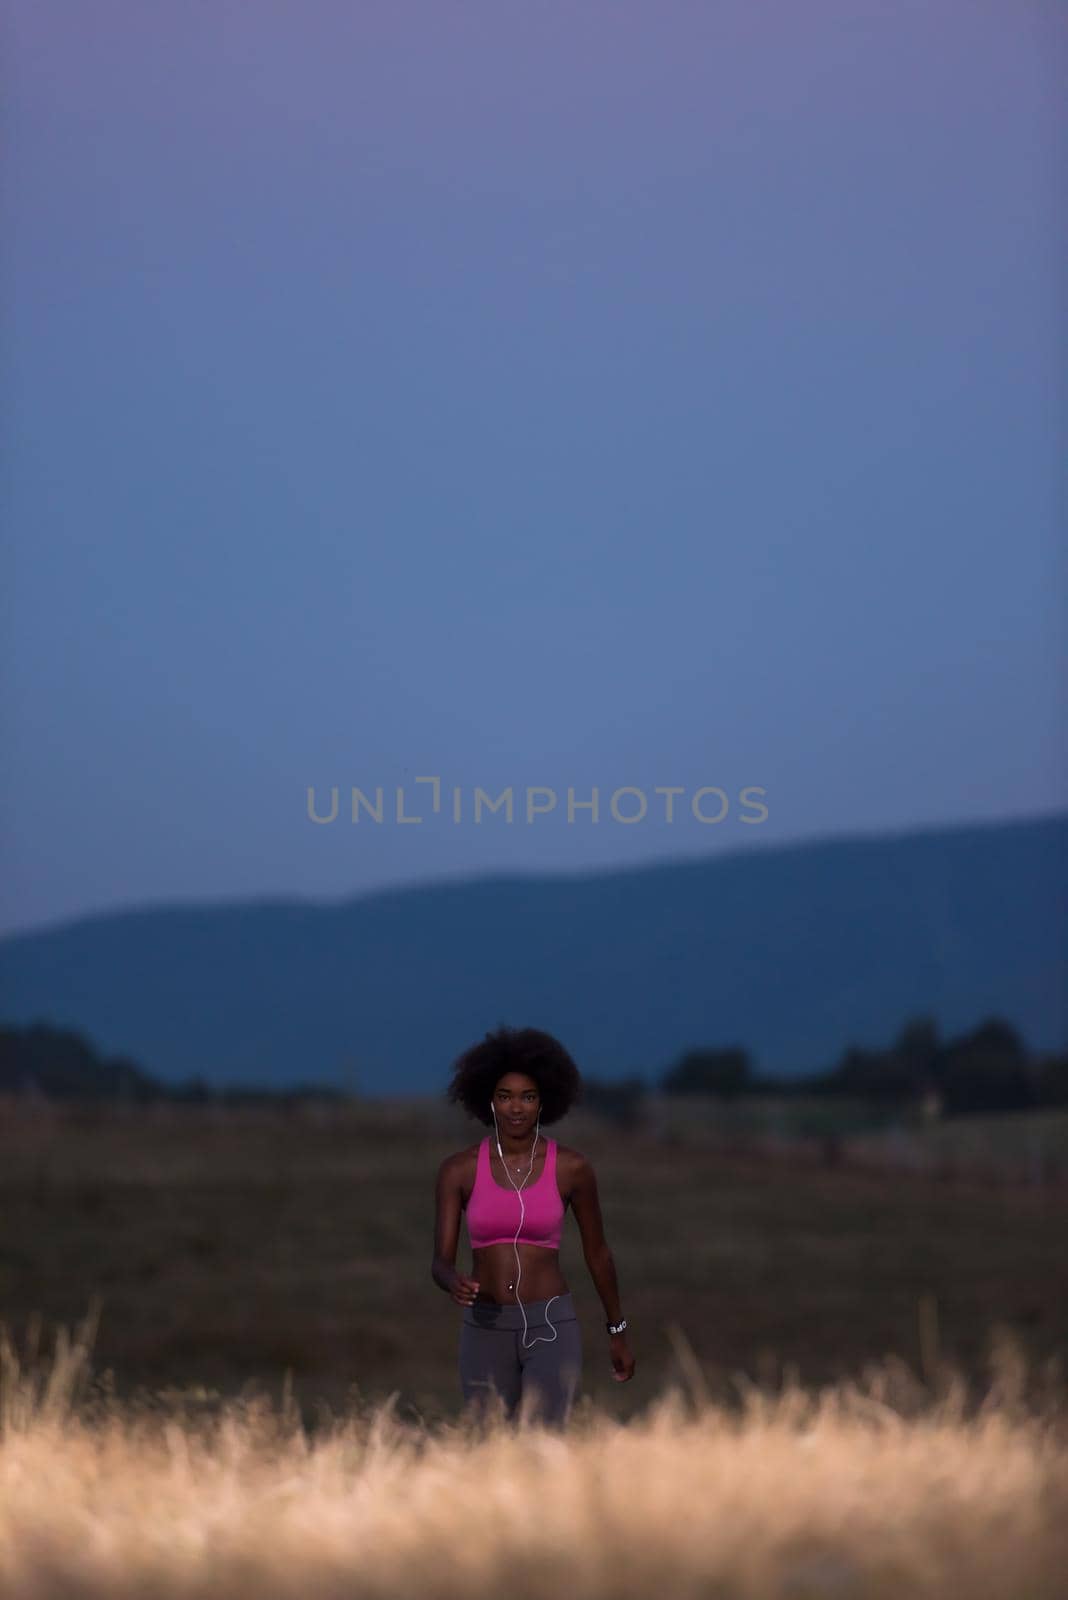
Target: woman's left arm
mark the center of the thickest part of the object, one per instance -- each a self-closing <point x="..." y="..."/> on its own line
<point x="586" y="1205"/>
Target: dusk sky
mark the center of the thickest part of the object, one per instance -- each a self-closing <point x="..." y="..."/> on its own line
<point x="572" y="395"/>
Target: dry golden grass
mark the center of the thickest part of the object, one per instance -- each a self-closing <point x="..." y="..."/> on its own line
<point x="884" y="1489"/>
<point x="848" y="1383"/>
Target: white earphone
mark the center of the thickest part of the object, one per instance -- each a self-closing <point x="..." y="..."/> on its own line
<point x="515" y="1242"/>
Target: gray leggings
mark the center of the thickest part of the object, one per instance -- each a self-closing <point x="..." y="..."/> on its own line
<point x="537" y="1380"/>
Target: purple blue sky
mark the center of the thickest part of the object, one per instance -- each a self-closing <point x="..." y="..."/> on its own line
<point x="587" y="394"/>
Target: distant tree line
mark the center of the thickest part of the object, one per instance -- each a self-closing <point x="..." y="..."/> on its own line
<point x="988" y="1069"/>
<point x="61" y="1064"/>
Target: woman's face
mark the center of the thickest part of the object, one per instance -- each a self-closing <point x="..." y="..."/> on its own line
<point x="516" y="1101"/>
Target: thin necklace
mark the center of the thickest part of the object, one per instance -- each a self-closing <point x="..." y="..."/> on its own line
<point x="518" y="1169"/>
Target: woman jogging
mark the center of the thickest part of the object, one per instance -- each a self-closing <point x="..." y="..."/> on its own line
<point x="520" y="1337"/>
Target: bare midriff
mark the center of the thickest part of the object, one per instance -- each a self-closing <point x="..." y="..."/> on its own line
<point x="494" y="1265"/>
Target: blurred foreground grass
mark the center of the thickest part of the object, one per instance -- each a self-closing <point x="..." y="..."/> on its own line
<point x="876" y="1489"/>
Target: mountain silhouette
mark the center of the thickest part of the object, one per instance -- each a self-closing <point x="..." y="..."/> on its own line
<point x="791" y="951"/>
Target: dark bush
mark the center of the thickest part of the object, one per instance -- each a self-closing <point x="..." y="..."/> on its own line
<point x="722" y="1072"/>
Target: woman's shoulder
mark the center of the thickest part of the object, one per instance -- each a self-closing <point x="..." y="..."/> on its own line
<point x="573" y="1159"/>
<point x="460" y="1158"/>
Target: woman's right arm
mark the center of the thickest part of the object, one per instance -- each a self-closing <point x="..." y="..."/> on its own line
<point x="447" y="1235"/>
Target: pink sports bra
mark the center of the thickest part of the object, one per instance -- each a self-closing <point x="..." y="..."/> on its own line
<point x="493" y="1212"/>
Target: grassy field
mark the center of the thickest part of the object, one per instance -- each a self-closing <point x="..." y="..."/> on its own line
<point x="228" y="1246"/>
<point x="1027" y="1147"/>
<point x="849" y="1383"/>
<point x="869" y="1491"/>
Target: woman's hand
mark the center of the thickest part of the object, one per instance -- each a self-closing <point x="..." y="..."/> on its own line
<point x="463" y="1289"/>
<point x="622" y="1359"/>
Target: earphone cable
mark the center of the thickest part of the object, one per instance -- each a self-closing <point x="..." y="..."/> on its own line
<point x="542" y="1339"/>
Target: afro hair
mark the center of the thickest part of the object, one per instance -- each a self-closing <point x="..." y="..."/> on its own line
<point x="476" y="1073"/>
